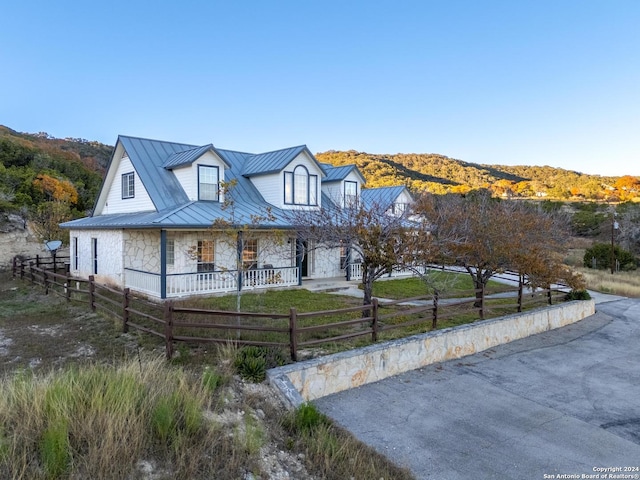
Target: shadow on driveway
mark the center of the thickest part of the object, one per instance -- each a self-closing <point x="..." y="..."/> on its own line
<point x="561" y="402"/>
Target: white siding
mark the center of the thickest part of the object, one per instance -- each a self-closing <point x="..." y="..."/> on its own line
<point x="188" y="175"/>
<point x="110" y="255"/>
<point x="272" y="186"/>
<point x="141" y="202"/>
<point x="335" y="190"/>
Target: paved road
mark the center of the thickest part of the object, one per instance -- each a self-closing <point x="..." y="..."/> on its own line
<point x="562" y="402"/>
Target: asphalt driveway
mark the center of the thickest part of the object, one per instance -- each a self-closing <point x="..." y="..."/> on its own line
<point x="565" y="402"/>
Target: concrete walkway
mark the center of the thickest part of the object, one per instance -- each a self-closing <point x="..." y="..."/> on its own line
<point x="565" y="402"/>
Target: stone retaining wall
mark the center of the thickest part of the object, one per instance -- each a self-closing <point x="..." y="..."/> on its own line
<point x="311" y="379"/>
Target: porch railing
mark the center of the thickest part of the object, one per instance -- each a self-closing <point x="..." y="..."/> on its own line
<point x="145" y="282"/>
<point x="356" y="271"/>
<point x="182" y="284"/>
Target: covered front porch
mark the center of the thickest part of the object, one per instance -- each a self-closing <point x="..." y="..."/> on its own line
<point x="220" y="281"/>
<point x="169" y="264"/>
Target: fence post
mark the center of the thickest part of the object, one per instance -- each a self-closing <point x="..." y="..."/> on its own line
<point x="14" y="267"/>
<point x="168" y="328"/>
<point x="434" y="321"/>
<point x="92" y="293"/>
<point x="125" y="310"/>
<point x="374" y="320"/>
<point x="293" y="333"/>
<point x="520" y="288"/>
<point x="38" y="261"/>
<point x="21" y="269"/>
<point x="45" y="281"/>
<point x="33" y="278"/>
<point x="67" y="287"/>
<point x="549" y="295"/>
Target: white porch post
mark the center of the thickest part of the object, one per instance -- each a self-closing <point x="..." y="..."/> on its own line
<point x="163" y="264"/>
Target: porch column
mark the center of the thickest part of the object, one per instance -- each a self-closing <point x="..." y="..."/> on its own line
<point x="239" y="248"/>
<point x="163" y="264"/>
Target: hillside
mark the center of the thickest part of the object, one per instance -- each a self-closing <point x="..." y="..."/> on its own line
<point x="35" y="168"/>
<point x="440" y="174"/>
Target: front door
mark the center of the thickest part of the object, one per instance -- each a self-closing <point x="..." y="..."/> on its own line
<point x="302" y="257"/>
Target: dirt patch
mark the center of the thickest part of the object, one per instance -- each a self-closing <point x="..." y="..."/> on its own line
<point x="39" y="331"/>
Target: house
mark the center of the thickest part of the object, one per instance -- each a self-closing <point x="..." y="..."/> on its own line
<point x="173" y="219"/>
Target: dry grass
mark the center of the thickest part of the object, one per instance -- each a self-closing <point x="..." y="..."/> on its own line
<point x="102" y="415"/>
<point x="626" y="284"/>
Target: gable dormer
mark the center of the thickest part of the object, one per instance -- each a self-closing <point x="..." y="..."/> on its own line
<point x="288" y="178"/>
<point x="390" y="200"/>
<point x="343" y="185"/>
<point x="199" y="171"/>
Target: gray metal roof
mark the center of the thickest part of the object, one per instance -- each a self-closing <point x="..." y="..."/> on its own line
<point x="186" y="157"/>
<point x="337" y="174"/>
<point x="272" y="162"/>
<point x="148" y="157"/>
<point x="382" y="197"/>
<point x="192" y="215"/>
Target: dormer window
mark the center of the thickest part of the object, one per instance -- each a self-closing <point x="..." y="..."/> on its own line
<point x="208" y="178"/>
<point x="300" y="187"/>
<point x="350" y="194"/>
<point x="128" y="185"/>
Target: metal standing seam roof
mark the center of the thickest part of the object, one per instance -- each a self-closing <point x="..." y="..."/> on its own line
<point x="273" y="162"/>
<point x="382" y="197"/>
<point x="337" y="174"/>
<point x="148" y="157"/>
<point x="187" y="157"/>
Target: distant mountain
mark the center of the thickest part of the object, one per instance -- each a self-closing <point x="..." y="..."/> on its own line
<point x="440" y="174"/>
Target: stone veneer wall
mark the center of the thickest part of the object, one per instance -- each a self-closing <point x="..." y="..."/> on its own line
<point x="142" y="250"/>
<point x="323" y="376"/>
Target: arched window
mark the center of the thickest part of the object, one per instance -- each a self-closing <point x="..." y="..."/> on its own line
<point x="300" y="187"/>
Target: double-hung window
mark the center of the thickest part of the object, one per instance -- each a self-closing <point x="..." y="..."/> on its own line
<point x="250" y="254"/>
<point x="350" y="194"/>
<point x="128" y="185"/>
<point x="206" y="256"/>
<point x="300" y="187"/>
<point x="171" y="251"/>
<point x="208" y="178"/>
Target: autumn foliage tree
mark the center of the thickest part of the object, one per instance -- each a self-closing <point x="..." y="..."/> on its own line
<point x="56" y="189"/>
<point x="486" y="236"/>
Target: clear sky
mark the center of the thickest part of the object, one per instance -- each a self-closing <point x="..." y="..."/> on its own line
<point x="519" y="82"/>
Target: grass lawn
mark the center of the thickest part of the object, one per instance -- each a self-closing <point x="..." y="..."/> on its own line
<point x="451" y="285"/>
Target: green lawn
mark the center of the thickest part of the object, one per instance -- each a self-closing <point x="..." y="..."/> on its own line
<point x="452" y="285"/>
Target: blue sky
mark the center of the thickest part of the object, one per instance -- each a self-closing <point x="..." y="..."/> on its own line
<point x="517" y="82"/>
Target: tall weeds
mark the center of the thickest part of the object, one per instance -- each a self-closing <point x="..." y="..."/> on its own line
<point x="98" y="422"/>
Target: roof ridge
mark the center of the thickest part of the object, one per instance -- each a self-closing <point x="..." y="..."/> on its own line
<point x="280" y="150"/>
<point x="156" y="140"/>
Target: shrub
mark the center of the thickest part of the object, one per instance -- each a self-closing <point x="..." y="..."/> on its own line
<point x="601" y="252"/>
<point x="578" y="295"/>
<point x="251" y="362"/>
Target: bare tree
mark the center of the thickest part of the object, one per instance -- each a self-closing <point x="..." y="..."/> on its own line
<point x="247" y="235"/>
<point x="373" y="236"/>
